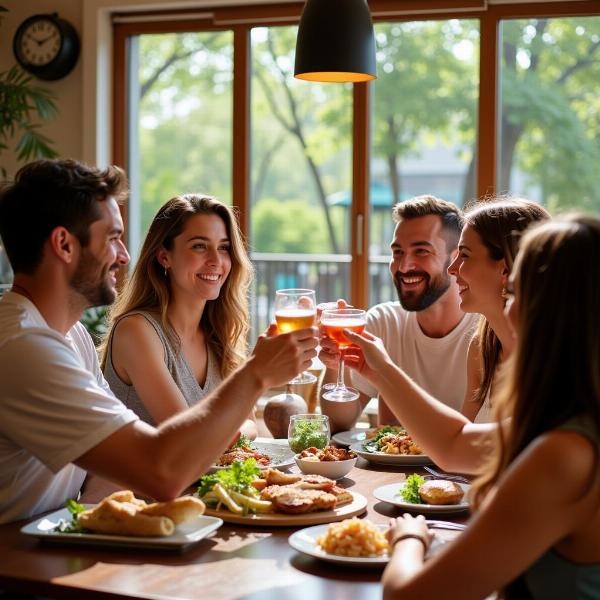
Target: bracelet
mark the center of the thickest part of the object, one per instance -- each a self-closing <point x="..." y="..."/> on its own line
<point x="409" y="536"/>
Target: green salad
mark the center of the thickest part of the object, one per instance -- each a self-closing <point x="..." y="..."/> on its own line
<point x="308" y="434"/>
<point x="409" y="492"/>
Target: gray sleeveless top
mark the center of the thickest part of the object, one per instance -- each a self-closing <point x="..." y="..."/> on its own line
<point x="178" y="367"/>
<point x="553" y="577"/>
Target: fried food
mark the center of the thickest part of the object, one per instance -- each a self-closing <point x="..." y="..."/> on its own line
<point x="398" y="444"/>
<point x="315" y="482"/>
<point x="122" y="513"/>
<point x="441" y="491"/>
<point x="341" y="495"/>
<point x="328" y="454"/>
<point x="179" y="510"/>
<point x="277" y="477"/>
<point x="294" y="500"/>
<point x="124" y="518"/>
<point x="242" y="454"/>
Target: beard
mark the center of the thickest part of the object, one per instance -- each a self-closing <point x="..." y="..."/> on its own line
<point x="435" y="288"/>
<point x="91" y="280"/>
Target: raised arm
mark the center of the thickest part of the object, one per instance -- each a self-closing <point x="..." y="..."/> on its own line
<point x="470" y="406"/>
<point x="162" y="462"/>
<point x="449" y="438"/>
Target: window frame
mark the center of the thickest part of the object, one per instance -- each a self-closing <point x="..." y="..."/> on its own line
<point x="241" y="19"/>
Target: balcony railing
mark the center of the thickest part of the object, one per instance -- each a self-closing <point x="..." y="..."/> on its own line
<point x="328" y="274"/>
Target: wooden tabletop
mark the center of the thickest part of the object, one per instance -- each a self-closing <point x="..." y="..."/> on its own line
<point x="234" y="562"/>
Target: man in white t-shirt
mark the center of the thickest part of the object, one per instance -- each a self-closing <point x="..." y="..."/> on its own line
<point x="426" y="333"/>
<point x="61" y="228"/>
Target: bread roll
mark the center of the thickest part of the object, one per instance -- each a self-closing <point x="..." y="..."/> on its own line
<point x="124" y="518"/>
<point x="179" y="510"/>
<point x="441" y="491"/>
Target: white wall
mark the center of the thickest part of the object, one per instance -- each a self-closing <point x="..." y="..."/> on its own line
<point x="65" y="129"/>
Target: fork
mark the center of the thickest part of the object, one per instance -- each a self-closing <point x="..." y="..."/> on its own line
<point x="445" y="525"/>
<point x="449" y="476"/>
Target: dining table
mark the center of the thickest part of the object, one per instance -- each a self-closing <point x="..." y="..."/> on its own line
<point x="235" y="561"/>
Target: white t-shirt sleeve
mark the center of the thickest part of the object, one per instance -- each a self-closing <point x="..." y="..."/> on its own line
<point x="54" y="406"/>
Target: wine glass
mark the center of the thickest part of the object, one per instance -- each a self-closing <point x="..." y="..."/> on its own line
<point x="296" y="308"/>
<point x="333" y="323"/>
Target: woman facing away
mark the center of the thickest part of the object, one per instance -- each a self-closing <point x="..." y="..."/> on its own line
<point x="179" y="327"/>
<point x="486" y="251"/>
<point x="536" y="529"/>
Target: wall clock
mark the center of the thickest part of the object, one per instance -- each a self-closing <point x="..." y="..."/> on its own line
<point x="46" y="46"/>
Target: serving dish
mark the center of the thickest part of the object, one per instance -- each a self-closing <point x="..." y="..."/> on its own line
<point x="186" y="534"/>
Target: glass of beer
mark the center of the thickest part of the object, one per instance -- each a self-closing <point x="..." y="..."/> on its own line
<point x="296" y="308"/>
<point x="333" y="323"/>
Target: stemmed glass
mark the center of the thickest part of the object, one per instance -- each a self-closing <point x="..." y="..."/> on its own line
<point x="333" y="323"/>
<point x="296" y="308"/>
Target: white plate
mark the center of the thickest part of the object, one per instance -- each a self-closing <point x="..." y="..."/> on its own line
<point x="305" y="541"/>
<point x="185" y="534"/>
<point x="391" y="493"/>
<point x="345" y="438"/>
<point x="282" y="457"/>
<point x="400" y="460"/>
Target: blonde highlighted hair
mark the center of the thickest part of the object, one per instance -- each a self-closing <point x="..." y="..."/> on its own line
<point x="225" y="320"/>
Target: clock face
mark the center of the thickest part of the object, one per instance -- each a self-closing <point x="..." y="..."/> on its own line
<point x="39" y="43"/>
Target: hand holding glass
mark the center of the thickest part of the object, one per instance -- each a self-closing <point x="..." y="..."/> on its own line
<point x="333" y="323"/>
<point x="295" y="308"/>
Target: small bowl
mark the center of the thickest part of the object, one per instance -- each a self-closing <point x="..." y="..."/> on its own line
<point x="333" y="469"/>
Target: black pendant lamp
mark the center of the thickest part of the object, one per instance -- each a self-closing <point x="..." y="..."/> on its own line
<point x="335" y="42"/>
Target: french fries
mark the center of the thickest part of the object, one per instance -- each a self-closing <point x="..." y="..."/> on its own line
<point x="237" y="503"/>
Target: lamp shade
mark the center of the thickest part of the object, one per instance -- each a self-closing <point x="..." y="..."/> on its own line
<point x="335" y="42"/>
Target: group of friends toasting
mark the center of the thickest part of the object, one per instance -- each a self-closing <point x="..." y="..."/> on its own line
<point x="491" y="360"/>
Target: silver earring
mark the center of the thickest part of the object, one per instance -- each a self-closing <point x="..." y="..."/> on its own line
<point x="165" y="271"/>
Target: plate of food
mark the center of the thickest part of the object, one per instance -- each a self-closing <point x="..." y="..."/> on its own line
<point x="346" y="438"/>
<point x="356" y="542"/>
<point x="391" y="448"/>
<point x="418" y="494"/>
<point x="123" y="520"/>
<point x="246" y="495"/>
<point x="266" y="454"/>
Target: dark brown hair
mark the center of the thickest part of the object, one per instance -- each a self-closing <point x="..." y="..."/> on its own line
<point x="47" y="194"/>
<point x="500" y="223"/>
<point x="426" y="205"/>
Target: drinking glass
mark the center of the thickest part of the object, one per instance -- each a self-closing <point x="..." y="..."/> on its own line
<point x="307" y="431"/>
<point x="296" y="308"/>
<point x="333" y="323"/>
<point x="322" y="306"/>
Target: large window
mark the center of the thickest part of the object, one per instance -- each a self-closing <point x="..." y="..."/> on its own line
<point x="301" y="167"/>
<point x="550" y="118"/>
<point x="424" y="125"/>
<point x="498" y="97"/>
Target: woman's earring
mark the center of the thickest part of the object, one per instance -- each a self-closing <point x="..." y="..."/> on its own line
<point x="504" y="294"/>
<point x="165" y="271"/>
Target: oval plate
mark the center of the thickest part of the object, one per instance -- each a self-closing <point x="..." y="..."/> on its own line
<point x="390" y="493"/>
<point x="400" y="460"/>
<point x="356" y="507"/>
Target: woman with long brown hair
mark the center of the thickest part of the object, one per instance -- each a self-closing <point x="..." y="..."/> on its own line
<point x="179" y="327"/>
<point x="486" y="252"/>
<point x="536" y="530"/>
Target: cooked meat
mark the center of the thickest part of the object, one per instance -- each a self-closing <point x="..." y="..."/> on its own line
<point x="277" y="477"/>
<point x="315" y="482"/>
<point x="293" y="500"/>
<point x="441" y="491"/>
<point x="342" y="496"/>
<point x="242" y="454"/>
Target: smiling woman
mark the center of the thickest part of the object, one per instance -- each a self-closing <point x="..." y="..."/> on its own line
<point x="180" y="324"/>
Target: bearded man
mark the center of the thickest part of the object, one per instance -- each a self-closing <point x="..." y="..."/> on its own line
<point x="426" y="333"/>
